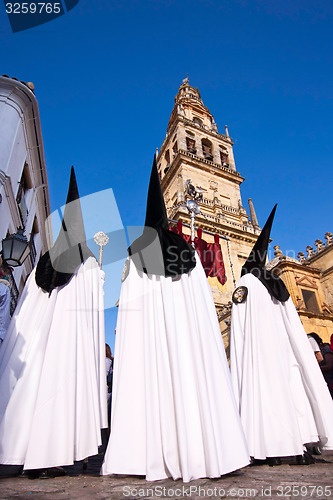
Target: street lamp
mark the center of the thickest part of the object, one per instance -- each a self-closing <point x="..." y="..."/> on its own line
<point x="15" y="248"/>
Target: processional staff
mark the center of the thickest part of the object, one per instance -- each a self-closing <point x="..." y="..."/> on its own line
<point x="101" y="239"/>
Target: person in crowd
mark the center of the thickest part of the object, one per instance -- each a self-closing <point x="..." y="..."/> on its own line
<point x="173" y="410"/>
<point x="316" y="342"/>
<point x="52" y="361"/>
<point x="4" y="304"/>
<point x="280" y="392"/>
<point x="109" y="375"/>
<point x="324" y="357"/>
<point x="326" y="365"/>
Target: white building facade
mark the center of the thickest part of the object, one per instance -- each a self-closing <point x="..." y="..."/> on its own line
<point x="24" y="192"/>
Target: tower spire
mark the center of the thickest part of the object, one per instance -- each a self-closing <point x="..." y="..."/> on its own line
<point x="253" y="216"/>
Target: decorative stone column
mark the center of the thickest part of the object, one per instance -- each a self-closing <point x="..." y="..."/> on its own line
<point x="310" y="252"/>
<point x="301" y="257"/>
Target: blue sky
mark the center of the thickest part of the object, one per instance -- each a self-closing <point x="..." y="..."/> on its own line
<point x="106" y="74"/>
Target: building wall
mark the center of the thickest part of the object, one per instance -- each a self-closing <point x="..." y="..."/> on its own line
<point x="22" y="159"/>
<point x="310" y="283"/>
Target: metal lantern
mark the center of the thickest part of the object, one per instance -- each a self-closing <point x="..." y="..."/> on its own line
<point x="15" y="248"/>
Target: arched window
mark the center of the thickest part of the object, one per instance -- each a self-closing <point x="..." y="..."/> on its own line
<point x="190" y="145"/>
<point x="207" y="149"/>
<point x="197" y="121"/>
<point x="224" y="157"/>
<point x="24" y="185"/>
<point x="167" y="157"/>
<point x="175" y="148"/>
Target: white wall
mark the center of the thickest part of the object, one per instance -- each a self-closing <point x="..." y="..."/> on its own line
<point x="20" y="138"/>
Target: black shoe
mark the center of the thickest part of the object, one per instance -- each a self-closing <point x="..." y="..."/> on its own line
<point x="32" y="473"/>
<point x="272" y="461"/>
<point x="305" y="459"/>
<point x="256" y="461"/>
<point x="52" y="472"/>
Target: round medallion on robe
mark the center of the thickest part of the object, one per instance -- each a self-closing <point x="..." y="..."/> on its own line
<point x="240" y="295"/>
<point x="125" y="270"/>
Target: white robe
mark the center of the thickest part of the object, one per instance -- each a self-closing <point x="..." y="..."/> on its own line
<point x="52" y="373"/>
<point x="173" y="410"/>
<point x="283" y="399"/>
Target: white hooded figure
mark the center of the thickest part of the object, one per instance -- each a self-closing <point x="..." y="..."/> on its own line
<point x="173" y="410"/>
<point x="281" y="394"/>
<point x="52" y="361"/>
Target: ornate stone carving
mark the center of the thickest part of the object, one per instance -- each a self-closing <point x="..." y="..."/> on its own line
<point x="224" y="311"/>
<point x="214" y="126"/>
<point x="277" y="251"/>
<point x="213" y="185"/>
<point x="319" y="244"/>
<point x="310" y="252"/>
<point x="301" y="257"/>
<point x="329" y="238"/>
<point x="306" y="281"/>
<point x="180" y="110"/>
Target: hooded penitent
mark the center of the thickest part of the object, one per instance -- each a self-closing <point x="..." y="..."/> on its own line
<point x="282" y="398"/>
<point x="172" y="402"/>
<point x="52" y="361"/>
<point x="255" y="263"/>
<point x="57" y="266"/>
<point x="159" y="251"/>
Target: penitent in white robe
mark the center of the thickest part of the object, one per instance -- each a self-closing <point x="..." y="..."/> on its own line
<point x="173" y="410"/>
<point x="52" y="373"/>
<point x="282" y="397"/>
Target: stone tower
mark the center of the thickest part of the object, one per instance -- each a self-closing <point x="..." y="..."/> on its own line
<point x="193" y="149"/>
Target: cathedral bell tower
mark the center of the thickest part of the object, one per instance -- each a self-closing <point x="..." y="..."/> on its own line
<point x="195" y="152"/>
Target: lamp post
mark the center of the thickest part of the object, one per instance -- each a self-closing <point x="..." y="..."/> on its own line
<point x="15" y="248"/>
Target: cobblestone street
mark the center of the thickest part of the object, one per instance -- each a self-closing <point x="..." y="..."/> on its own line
<point x="311" y="481"/>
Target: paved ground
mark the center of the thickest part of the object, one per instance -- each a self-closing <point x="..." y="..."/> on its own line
<point x="305" y="482"/>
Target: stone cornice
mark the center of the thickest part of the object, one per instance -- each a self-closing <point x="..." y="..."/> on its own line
<point x="202" y="164"/>
<point x="283" y="264"/>
<point x="313" y="315"/>
<point x="327" y="272"/>
<point x="319" y="254"/>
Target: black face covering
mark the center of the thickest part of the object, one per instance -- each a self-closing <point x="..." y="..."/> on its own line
<point x="160" y="251"/>
<point x="57" y="266"/>
<point x="255" y="263"/>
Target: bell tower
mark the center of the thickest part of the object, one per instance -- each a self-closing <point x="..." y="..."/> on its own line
<point x="194" y="150"/>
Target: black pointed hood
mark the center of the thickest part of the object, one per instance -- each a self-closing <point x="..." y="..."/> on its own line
<point x="160" y="251"/>
<point x="57" y="266"/>
<point x="255" y="263"/>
